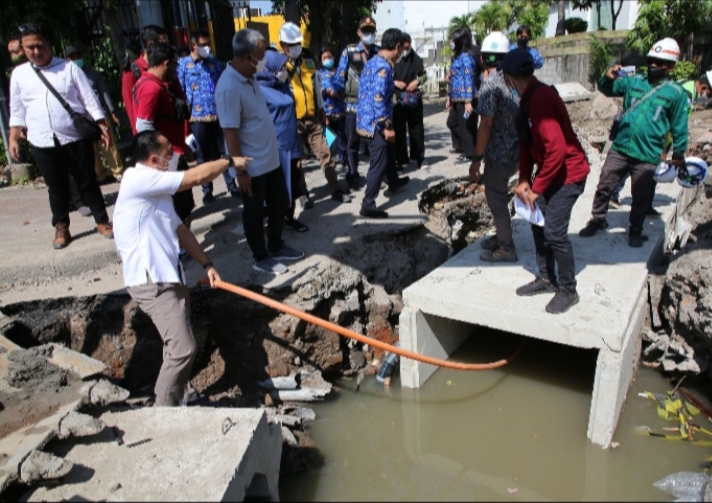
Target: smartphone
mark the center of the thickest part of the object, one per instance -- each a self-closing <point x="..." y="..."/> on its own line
<point x="626" y="71"/>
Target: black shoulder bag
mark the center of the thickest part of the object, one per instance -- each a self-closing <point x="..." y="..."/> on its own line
<point x="88" y="129"/>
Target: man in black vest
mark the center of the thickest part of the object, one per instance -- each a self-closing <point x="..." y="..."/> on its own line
<point x="353" y="59"/>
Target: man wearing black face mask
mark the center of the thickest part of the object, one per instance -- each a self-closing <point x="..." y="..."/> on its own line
<point x="653" y="105"/>
<point x="524" y="35"/>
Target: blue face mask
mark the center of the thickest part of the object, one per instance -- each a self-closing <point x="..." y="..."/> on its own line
<point x="329" y="63"/>
<point x="79" y="63"/>
<point x="515" y="93"/>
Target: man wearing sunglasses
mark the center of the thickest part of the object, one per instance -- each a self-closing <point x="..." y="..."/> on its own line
<point x="652" y="106"/>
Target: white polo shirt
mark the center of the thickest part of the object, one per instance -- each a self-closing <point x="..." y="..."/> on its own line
<point x="145" y="225"/>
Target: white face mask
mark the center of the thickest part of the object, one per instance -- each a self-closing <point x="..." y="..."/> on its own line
<point x="399" y="58"/>
<point x="172" y="162"/>
<point x="295" y="51"/>
<point x="369" y="38"/>
<point x="260" y="64"/>
<point x="407" y="53"/>
<point x="282" y="75"/>
<point x="204" y="52"/>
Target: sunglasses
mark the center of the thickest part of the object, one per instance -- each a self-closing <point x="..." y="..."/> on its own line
<point x="655" y="61"/>
<point x="29" y="28"/>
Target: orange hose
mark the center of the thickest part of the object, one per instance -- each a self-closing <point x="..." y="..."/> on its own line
<point x="353" y="335"/>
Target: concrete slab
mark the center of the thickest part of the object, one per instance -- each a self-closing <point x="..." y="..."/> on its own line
<point x="178" y="454"/>
<point x="573" y="91"/>
<point x="76" y="362"/>
<point x="443" y="308"/>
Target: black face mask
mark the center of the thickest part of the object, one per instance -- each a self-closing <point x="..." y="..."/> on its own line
<point x="655" y="73"/>
<point x="522" y="42"/>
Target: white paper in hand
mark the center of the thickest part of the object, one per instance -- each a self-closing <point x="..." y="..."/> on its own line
<point x="523" y="210"/>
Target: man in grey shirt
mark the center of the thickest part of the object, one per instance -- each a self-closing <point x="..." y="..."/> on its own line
<point x="251" y="139"/>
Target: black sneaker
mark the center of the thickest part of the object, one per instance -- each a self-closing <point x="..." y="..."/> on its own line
<point x="399" y="184"/>
<point x="341" y="196"/>
<point x="562" y="302"/>
<point x="592" y="227"/>
<point x="295" y="225"/>
<point x="636" y="240"/>
<point x="373" y="213"/>
<point x="208" y="199"/>
<point x="490" y="244"/>
<point x="652" y="212"/>
<point x="539" y="285"/>
<point x="614" y="203"/>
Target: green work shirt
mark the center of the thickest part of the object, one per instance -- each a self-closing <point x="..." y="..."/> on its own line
<point x="641" y="134"/>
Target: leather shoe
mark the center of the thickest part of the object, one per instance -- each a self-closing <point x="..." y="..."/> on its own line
<point x="399" y="183"/>
<point x="106" y="230"/>
<point x="62" y="237"/>
<point x="373" y="213"/>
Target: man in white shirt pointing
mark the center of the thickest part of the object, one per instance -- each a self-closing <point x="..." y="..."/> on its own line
<point x="56" y="144"/>
<point x="149" y="235"/>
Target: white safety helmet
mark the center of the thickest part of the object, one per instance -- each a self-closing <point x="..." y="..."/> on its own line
<point x="494" y="48"/>
<point x="666" y="49"/>
<point x="694" y="173"/>
<point x="665" y="173"/>
<point x="290" y="33"/>
<point x="496" y="42"/>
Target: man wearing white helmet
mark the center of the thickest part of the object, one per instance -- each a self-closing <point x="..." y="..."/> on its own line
<point x="309" y="104"/>
<point x="653" y="105"/>
<point x="498" y="145"/>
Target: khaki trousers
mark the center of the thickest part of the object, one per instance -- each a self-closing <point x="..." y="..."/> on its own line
<point x="168" y="306"/>
<point x="312" y="133"/>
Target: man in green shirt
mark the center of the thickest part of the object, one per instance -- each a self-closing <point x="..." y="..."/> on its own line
<point x="653" y="105"/>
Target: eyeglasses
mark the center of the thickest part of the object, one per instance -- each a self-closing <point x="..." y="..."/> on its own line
<point x="29" y="28"/>
<point x="655" y="61"/>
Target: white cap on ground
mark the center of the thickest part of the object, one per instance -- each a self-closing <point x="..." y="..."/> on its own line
<point x="665" y="173"/>
<point x="666" y="49"/>
<point x="694" y="174"/>
<point x="290" y="33"/>
<point x="496" y="42"/>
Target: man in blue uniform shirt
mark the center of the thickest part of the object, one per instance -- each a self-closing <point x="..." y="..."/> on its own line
<point x="198" y="74"/>
<point x="374" y="120"/>
<point x="524" y="35"/>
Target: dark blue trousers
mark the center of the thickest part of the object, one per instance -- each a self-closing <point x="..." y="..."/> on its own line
<point x="211" y="147"/>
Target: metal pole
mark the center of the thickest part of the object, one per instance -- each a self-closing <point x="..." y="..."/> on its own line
<point x="291" y="11"/>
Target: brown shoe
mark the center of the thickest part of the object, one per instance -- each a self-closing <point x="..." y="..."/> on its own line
<point x="106" y="230"/>
<point x="62" y="237"/>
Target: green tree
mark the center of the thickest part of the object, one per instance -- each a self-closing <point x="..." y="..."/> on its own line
<point x="492" y="16"/>
<point x="55" y="17"/>
<point x="678" y="19"/>
<point x="463" y="21"/>
<point x="535" y="16"/>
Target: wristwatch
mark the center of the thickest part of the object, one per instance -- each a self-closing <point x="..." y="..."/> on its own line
<point x="208" y="264"/>
<point x="478" y="157"/>
<point x="229" y="159"/>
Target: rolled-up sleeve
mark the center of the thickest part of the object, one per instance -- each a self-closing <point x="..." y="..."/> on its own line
<point x="17" y="109"/>
<point x="86" y="93"/>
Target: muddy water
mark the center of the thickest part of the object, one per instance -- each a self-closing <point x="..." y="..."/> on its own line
<point x="513" y="434"/>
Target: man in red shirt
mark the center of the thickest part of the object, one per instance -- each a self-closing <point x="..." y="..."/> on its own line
<point x="547" y="139"/>
<point x="150" y="34"/>
<point x="159" y="108"/>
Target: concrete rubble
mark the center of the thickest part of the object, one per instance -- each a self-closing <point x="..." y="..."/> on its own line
<point x="41" y="466"/>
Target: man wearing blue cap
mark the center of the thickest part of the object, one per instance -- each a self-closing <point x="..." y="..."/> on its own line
<point x="547" y="139"/>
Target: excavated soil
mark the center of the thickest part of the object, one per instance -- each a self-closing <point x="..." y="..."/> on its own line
<point x="38" y="389"/>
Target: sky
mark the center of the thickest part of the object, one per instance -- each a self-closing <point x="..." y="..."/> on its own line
<point x="265" y="5"/>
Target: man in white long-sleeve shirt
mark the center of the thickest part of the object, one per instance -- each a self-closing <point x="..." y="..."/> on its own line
<point x="57" y="146"/>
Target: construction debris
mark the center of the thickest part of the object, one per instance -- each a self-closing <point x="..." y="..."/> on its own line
<point x="41" y="466"/>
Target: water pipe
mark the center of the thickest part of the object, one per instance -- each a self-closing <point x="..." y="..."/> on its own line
<point x="223" y="285"/>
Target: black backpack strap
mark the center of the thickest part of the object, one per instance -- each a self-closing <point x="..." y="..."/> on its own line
<point x="135" y="70"/>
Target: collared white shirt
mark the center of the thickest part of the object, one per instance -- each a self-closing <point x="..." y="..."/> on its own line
<point x="34" y="107"/>
<point x="145" y="226"/>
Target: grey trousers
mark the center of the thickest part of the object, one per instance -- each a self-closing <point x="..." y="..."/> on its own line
<point x="168" y="306"/>
<point x="642" y="175"/>
<point x="496" y="180"/>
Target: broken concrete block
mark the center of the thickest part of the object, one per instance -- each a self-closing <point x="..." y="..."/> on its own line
<point x="288" y="437"/>
<point x="76" y="362"/>
<point x="79" y="425"/>
<point x="43" y="466"/>
<point x="289" y="382"/>
<point x="342" y="308"/>
<point x="300" y="412"/>
<point x="105" y="393"/>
